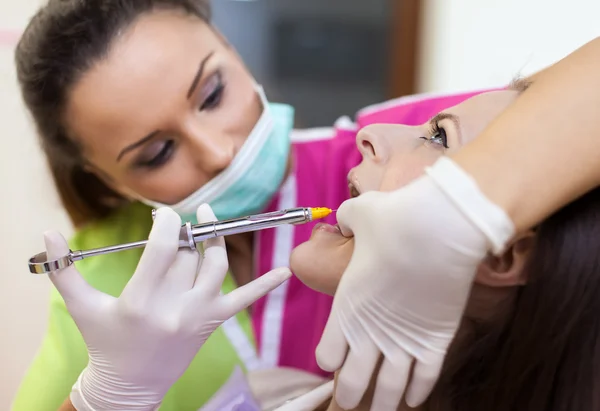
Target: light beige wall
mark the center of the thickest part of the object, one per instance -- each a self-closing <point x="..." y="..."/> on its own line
<point x="28" y="205"/>
<point x="468" y="44"/>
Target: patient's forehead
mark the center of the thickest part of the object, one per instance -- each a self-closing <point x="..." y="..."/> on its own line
<point x="478" y="112"/>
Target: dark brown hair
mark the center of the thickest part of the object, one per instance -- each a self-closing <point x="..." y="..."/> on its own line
<point x="63" y="40"/>
<point x="545" y="356"/>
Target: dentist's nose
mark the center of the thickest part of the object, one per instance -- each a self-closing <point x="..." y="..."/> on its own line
<point x="213" y="151"/>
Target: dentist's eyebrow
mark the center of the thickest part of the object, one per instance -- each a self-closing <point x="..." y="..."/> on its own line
<point x="199" y="74"/>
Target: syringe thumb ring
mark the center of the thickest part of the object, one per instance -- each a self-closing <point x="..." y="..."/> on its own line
<point x="186" y="237"/>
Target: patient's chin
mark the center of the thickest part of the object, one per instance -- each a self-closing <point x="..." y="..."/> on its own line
<point x="297" y="265"/>
<point x="320" y="267"/>
<point x="305" y="266"/>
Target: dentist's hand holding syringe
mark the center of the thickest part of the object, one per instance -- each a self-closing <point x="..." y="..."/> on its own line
<point x="140" y="343"/>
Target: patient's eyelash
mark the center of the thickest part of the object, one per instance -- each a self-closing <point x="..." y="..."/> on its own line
<point x="438" y="135"/>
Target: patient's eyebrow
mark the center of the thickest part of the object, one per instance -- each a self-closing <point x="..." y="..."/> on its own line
<point x="520" y="84"/>
<point x="435" y="120"/>
<point x="445" y="116"/>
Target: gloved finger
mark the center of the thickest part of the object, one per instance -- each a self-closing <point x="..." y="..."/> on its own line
<point x="391" y="382"/>
<point x="242" y="297"/>
<point x="311" y="400"/>
<point x="73" y="288"/>
<point x="332" y="348"/>
<point x="214" y="266"/>
<point x="158" y="256"/>
<point x="345" y="216"/>
<point x="182" y="274"/>
<point x="423" y="380"/>
<point x="355" y="375"/>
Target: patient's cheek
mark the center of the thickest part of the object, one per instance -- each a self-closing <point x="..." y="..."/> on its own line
<point x="405" y="170"/>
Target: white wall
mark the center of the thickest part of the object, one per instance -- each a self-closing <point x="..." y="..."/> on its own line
<point x="28" y="205"/>
<point x="480" y="43"/>
<point x="466" y="44"/>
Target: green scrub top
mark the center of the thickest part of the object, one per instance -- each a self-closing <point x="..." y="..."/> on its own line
<point x="63" y="354"/>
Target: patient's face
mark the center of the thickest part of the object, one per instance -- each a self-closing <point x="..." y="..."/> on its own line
<point x="392" y="156"/>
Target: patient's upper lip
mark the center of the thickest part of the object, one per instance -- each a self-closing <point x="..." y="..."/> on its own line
<point x="353" y="182"/>
<point x="338" y="228"/>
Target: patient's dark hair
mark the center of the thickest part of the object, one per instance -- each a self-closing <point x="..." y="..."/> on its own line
<point x="546" y="355"/>
<point x="63" y="40"/>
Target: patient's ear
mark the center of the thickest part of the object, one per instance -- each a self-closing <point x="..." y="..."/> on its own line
<point x="507" y="270"/>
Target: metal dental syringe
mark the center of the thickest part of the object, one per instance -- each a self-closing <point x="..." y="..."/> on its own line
<point x="190" y="235"/>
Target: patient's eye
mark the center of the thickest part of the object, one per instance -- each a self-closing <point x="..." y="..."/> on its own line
<point x="439" y="136"/>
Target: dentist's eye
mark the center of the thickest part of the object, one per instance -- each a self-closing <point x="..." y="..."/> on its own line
<point x="214" y="95"/>
<point x="214" y="99"/>
<point x="160" y="154"/>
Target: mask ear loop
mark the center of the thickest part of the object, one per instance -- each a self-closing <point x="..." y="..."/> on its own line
<point x="262" y="97"/>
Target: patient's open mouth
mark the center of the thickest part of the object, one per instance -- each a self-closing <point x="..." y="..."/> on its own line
<point x="335" y="229"/>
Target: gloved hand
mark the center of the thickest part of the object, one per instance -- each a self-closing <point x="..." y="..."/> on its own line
<point x="140" y="343"/>
<point x="406" y="286"/>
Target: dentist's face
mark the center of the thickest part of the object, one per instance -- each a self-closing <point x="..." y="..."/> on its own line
<point x="392" y="156"/>
<point x="166" y="110"/>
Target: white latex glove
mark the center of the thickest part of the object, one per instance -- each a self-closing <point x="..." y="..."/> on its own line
<point x="310" y="400"/>
<point x="140" y="343"/>
<point x="404" y="292"/>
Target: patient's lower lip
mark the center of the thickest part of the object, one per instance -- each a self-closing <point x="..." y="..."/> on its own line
<point x="327" y="227"/>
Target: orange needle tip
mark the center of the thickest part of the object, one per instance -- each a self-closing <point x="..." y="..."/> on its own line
<point x="320" y="212"/>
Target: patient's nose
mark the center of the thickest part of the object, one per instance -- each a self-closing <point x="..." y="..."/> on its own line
<point x="371" y="143"/>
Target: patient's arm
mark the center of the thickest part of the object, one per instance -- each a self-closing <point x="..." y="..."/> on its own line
<point x="552" y="129"/>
